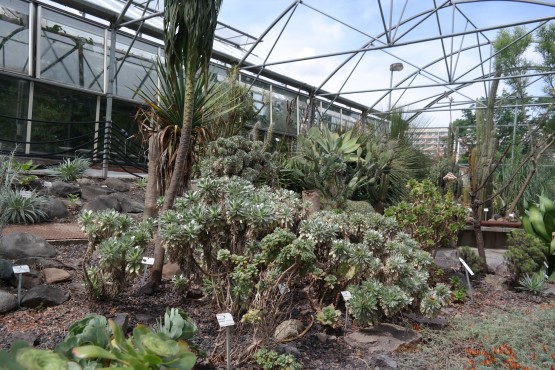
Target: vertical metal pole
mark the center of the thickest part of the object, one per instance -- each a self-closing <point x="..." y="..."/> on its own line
<point x="469" y="286"/>
<point x="19" y="291"/>
<point x="514" y="135"/>
<point x="346" y="316"/>
<point x="109" y="98"/>
<point x="298" y="116"/>
<point x="228" y="347"/>
<point x="144" y="274"/>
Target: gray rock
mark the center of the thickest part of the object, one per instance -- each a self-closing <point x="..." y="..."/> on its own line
<point x="91" y="192"/>
<point x="145" y="319"/>
<point x="122" y="320"/>
<point x="45" y="296"/>
<point x="39" y="262"/>
<point x="85" y="181"/>
<point x="129" y="205"/>
<point x="102" y="203"/>
<point x="54" y="275"/>
<point x="54" y="208"/>
<point x="322" y="337"/>
<point x="433" y="322"/>
<point x="495" y="282"/>
<point x="382" y="338"/>
<point x="6" y="270"/>
<point x="288" y="329"/>
<point x="63" y="189"/>
<point x="31" y="339"/>
<point x="28" y="280"/>
<point x="288" y="349"/>
<point x="383" y="362"/>
<point x="116" y="184"/>
<point x="21" y="245"/>
<point x="8" y="302"/>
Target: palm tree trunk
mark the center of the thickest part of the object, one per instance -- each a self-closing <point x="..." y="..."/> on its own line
<point x="177" y="175"/>
<point x="152" y="186"/>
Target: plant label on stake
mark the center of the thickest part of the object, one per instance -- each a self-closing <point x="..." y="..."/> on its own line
<point x="468" y="271"/>
<point x="225" y="320"/>
<point x="545" y="275"/>
<point x="146" y="262"/>
<point x="346" y="297"/>
<point x="20" y="270"/>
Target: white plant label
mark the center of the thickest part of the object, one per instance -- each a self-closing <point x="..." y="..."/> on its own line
<point x="283" y="288"/>
<point x="47" y="184"/>
<point x="21" y="269"/>
<point x="466" y="267"/>
<point x="546" y="265"/>
<point x="346" y="295"/>
<point x="225" y="319"/>
<point x="148" y="260"/>
<point x="25" y="193"/>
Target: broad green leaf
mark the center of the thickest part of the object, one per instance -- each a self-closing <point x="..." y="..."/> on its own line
<point x="91" y="351"/>
<point x="36" y="359"/>
<point x="184" y="362"/>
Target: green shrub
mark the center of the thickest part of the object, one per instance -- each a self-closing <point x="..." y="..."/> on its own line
<point x="525" y="255"/>
<point x="71" y="169"/>
<point x="271" y="360"/>
<point x="472" y="259"/>
<point x="430" y="218"/>
<point x="121" y="244"/>
<point x="19" y="209"/>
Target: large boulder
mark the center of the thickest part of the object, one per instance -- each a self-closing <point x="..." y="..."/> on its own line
<point x="129" y="205"/>
<point x="91" y="192"/>
<point x="6" y="270"/>
<point x="382" y="338"/>
<point x="63" y="189"/>
<point x="54" y="208"/>
<point x="21" y="245"/>
<point x="44" y="296"/>
<point x="116" y="184"/>
<point x="8" y="302"/>
<point x="102" y="203"/>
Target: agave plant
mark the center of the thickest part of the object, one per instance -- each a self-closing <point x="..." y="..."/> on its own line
<point x="21" y="209"/>
<point x="539" y="220"/>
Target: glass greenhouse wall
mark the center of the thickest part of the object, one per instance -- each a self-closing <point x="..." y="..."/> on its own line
<point x="54" y="83"/>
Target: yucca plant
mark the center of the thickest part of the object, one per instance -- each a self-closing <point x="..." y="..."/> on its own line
<point x="71" y="169"/>
<point x="533" y="283"/>
<point x="19" y="209"/>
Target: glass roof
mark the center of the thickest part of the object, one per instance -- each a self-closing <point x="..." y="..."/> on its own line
<point x="427" y="55"/>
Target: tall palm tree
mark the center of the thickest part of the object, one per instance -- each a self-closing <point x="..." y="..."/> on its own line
<point x="189" y="27"/>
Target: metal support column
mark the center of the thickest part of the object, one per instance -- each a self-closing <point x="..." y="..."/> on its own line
<point x="109" y="99"/>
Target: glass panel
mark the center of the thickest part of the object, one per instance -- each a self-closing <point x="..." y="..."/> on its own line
<point x="14" y="100"/>
<point x="71" y="52"/>
<point x="126" y="140"/>
<point x="14" y="37"/>
<point x="138" y="70"/>
<point x="63" y="121"/>
<point x="285" y="121"/>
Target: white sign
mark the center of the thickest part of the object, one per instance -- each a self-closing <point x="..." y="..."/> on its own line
<point x="346" y="295"/>
<point x="148" y="260"/>
<point x="47" y="184"/>
<point x="21" y="269"/>
<point x="225" y="319"/>
<point x="283" y="288"/>
<point x="26" y="193"/>
<point x="546" y="265"/>
<point x="466" y="267"/>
